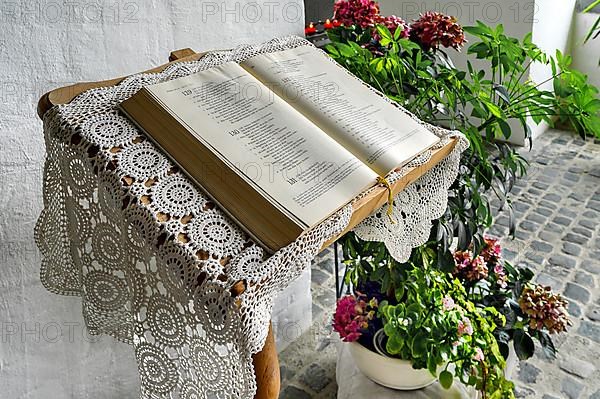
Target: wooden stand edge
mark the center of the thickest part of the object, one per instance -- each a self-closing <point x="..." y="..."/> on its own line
<point x="65" y="95"/>
<point x="266" y="362"/>
<point x="378" y="197"/>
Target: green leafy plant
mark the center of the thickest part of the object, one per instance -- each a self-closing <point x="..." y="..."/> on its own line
<point x="427" y="317"/>
<point x="484" y="108"/>
<point x="576" y="99"/>
<point x="408" y="63"/>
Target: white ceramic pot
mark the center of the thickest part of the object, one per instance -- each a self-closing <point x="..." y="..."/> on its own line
<point x="389" y="372"/>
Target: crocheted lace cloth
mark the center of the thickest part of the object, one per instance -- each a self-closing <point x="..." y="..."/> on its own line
<point x="154" y="260"/>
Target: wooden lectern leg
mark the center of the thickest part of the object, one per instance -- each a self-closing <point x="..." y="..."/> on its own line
<point x="266" y="368"/>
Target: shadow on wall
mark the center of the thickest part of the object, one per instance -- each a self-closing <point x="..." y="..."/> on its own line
<point x="316" y="10"/>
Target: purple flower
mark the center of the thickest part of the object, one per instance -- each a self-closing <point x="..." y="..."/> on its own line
<point x="500" y="275"/>
<point x="491" y="252"/>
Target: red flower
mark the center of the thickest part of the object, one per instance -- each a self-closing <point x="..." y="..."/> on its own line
<point x="356" y="12"/>
<point x="433" y="29"/>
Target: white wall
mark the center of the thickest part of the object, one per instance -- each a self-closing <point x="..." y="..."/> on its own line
<point x="586" y="56"/>
<point x="49" y="43"/>
<point x="549" y="20"/>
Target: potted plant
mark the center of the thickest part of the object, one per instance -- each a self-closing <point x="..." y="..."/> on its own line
<point x="409" y="324"/>
<point x="407" y="62"/>
<point x="531" y="310"/>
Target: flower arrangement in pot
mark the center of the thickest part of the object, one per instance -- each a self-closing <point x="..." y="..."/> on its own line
<point x="532" y="311"/>
<point x="411" y="323"/>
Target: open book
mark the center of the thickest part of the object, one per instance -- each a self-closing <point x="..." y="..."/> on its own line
<point x="280" y="141"/>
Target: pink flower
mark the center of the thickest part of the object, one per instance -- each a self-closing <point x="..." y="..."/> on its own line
<point x="544" y="308"/>
<point x="491" y="252"/>
<point x="448" y="303"/>
<point x="469" y="268"/>
<point x="478" y="355"/>
<point x="465" y="327"/>
<point x="500" y="275"/>
<point x="351" y="317"/>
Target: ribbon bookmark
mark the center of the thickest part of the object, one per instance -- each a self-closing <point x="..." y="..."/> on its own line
<point x="383" y="181"/>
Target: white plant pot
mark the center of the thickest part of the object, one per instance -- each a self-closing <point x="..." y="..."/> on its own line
<point x="511" y="362"/>
<point x="389" y="372"/>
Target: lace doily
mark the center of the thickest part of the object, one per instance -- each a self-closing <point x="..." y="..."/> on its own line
<point x="154" y="260"/>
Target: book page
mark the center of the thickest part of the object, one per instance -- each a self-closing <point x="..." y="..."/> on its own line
<point x="375" y="131"/>
<point x="278" y="150"/>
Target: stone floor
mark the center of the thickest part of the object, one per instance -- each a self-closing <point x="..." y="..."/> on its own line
<point x="558" y="235"/>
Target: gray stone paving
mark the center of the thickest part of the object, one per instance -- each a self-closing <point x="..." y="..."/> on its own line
<point x="557" y="208"/>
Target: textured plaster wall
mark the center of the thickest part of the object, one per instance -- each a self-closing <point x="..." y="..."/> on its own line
<point x="44" y="352"/>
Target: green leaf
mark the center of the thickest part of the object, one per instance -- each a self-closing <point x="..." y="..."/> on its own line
<point x="494" y="109"/>
<point x="408" y="44"/>
<point x="419" y="344"/>
<point x="446" y="379"/>
<point x="595" y="27"/>
<point x="398" y="32"/>
<point x="591" y="6"/>
<point x="547" y="344"/>
<point x="332" y="50"/>
<point x="394" y="345"/>
<point x="523" y="345"/>
<point x="386" y="35"/>
<point x="505" y="128"/>
<point x="345" y="50"/>
<point x="432" y="365"/>
<point x="502" y="93"/>
<point x="399" y="293"/>
<point x="445" y="261"/>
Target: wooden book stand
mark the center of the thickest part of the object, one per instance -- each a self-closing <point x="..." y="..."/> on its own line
<point x="266" y="362"/>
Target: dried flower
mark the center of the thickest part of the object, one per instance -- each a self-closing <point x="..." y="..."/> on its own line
<point x="352" y="317"/>
<point x="433" y="29"/>
<point x="362" y="13"/>
<point x="469" y="268"/>
<point x="465" y="327"/>
<point x="544" y="308"/>
<point x="448" y="303"/>
<point x="478" y="356"/>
